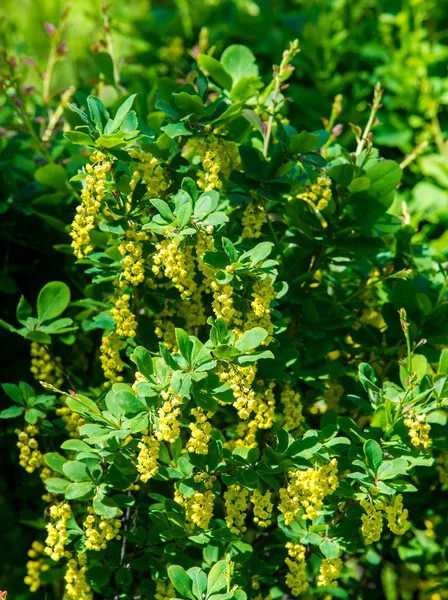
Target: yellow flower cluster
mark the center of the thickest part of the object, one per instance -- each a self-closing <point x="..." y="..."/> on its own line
<point x="169" y="416"/>
<point x="372" y="521"/>
<point x="204" y="243"/>
<point x="72" y="420"/>
<point x="418" y="430"/>
<point x="442" y="468"/>
<point x="254" y="217"/>
<point x="44" y="367"/>
<point x="319" y="193"/>
<point x="307" y="490"/>
<point x="262" y="507"/>
<point x="164" y="590"/>
<point x="173" y="52"/>
<point x="264" y="413"/>
<point x="99" y="530"/>
<point x="332" y="394"/>
<point x="111" y="362"/>
<point x="76" y="586"/>
<point x="292" y="408"/>
<point x="164" y="327"/>
<point x="147" y="457"/>
<point x="235" y="500"/>
<point x="192" y="310"/>
<point x="151" y="172"/>
<point x="397" y="515"/>
<point x="35" y="566"/>
<point x="91" y="197"/>
<point x="330" y="569"/>
<point x="30" y="456"/>
<point x="122" y="314"/>
<point x="240" y="380"/>
<point x="200" y="431"/>
<point x="222" y="303"/>
<point x="57" y="531"/>
<point x="225" y="152"/>
<point x="295" y="561"/>
<point x="177" y="265"/>
<point x="131" y="248"/>
<point x="199" y="506"/>
<point x="208" y="179"/>
<point x="261" y="311"/>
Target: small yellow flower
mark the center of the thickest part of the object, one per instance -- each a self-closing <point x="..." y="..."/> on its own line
<point x="372" y="521"/>
<point x="44" y="367"/>
<point x="76" y="586"/>
<point x="92" y="195"/>
<point x="99" y="530"/>
<point x="295" y="561"/>
<point x="254" y="217"/>
<point x="292" y="408"/>
<point x="262" y="507"/>
<point x="330" y="569"/>
<point x="200" y="431"/>
<point x="199" y="506"/>
<point x="235" y="499"/>
<point x="397" y="515"/>
<point x="110" y="358"/>
<point x="307" y="490"/>
<point x="418" y="430"/>
<point x="57" y="531"/>
<point x="169" y="415"/>
<point x="147" y="457"/>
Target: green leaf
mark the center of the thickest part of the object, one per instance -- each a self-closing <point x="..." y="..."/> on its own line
<point x="304" y="142"/>
<point x="329" y="549"/>
<point x="174" y="130"/>
<point x="52" y="176"/>
<point x="184" y="215"/>
<point x="419" y="367"/>
<point x="53" y="299"/>
<point x="217" y="580"/>
<point x="188" y="104"/>
<point x="11" y="412"/>
<point x="384" y="175"/>
<point x="79" y="138"/>
<point x="77" y="445"/>
<point x="163" y="209"/>
<point x="123" y="396"/>
<point x="23" y="310"/>
<point x="98" y="113"/>
<point x="443" y="363"/>
<point x="78" y="490"/>
<point x="55" y="461"/>
<point x="184" y="343"/>
<point x="14" y="392"/>
<point x="56" y="485"/>
<point x="216" y="70"/>
<point x="239" y="62"/>
<point x="142" y="358"/>
<point x="75" y="470"/>
<point x="180" y="581"/>
<point x="120" y="115"/>
<point x="199" y="581"/>
<point x="251" y="339"/>
<point x="373" y="454"/>
<point x="98" y="576"/>
<point x="391" y="468"/>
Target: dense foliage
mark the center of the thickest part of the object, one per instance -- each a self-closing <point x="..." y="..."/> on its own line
<point x="225" y="302"/>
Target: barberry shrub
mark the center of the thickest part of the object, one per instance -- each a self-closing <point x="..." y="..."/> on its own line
<point x="248" y="399"/>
